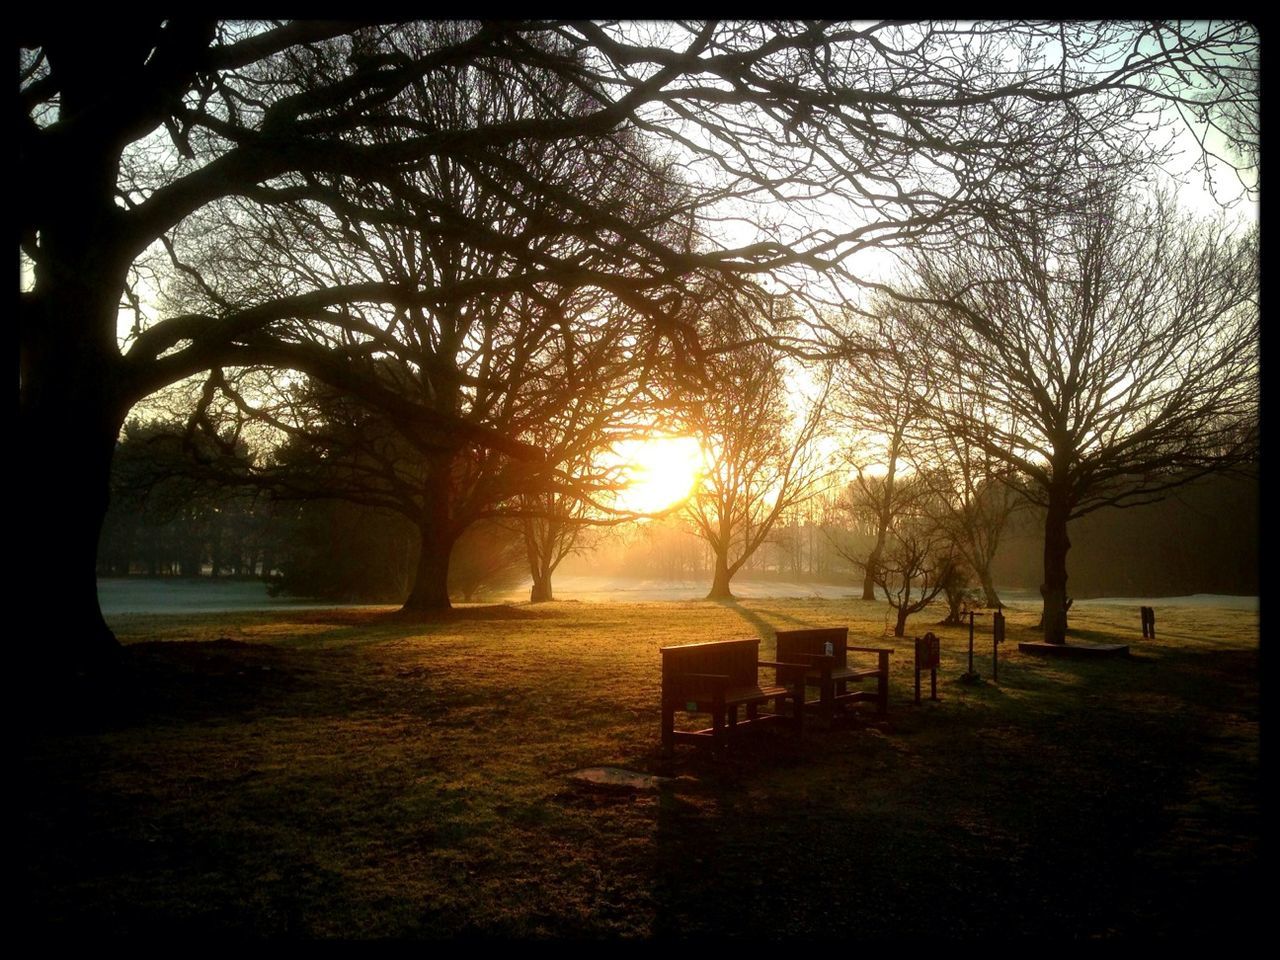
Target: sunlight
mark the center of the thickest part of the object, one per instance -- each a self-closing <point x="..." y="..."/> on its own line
<point x="661" y="472"/>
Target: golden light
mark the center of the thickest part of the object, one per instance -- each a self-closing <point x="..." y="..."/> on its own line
<point x="661" y="472"/>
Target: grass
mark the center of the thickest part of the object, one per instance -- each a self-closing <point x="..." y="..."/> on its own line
<point x="350" y="774"/>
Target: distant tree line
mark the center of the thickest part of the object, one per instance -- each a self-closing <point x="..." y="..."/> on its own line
<point x="169" y="520"/>
<point x="177" y="513"/>
<point x="1201" y="539"/>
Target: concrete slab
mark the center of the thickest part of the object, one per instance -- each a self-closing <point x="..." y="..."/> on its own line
<point x="616" y="778"/>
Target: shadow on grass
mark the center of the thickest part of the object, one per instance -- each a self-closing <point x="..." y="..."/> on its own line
<point x="1092" y="636"/>
<point x="763" y="628"/>
<point x="401" y="791"/>
<point x="356" y="617"/>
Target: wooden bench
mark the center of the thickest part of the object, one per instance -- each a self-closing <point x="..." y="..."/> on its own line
<point x="833" y="674"/>
<point x="718" y="678"/>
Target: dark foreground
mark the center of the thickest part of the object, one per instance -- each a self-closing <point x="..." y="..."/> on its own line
<point x="346" y="774"/>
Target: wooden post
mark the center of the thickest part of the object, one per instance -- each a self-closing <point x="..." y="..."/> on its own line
<point x="719" y="736"/>
<point x="928" y="656"/>
<point x="827" y="706"/>
<point x="882" y="698"/>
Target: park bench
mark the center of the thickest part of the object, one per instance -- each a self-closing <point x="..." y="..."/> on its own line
<point x="719" y="678"/>
<point x="832" y="674"/>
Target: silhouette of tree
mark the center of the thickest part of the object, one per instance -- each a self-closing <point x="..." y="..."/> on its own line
<point x="759" y="460"/>
<point x="530" y="357"/>
<point x="880" y="402"/>
<point x="971" y="493"/>
<point x="920" y="563"/>
<point x="1115" y="349"/>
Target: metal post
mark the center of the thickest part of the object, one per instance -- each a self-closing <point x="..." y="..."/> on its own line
<point x="917" y="646"/>
<point x="971" y="676"/>
<point x="997" y="638"/>
<point x="971" y="641"/>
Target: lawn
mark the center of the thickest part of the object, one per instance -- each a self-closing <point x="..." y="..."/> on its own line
<point x="350" y="774"/>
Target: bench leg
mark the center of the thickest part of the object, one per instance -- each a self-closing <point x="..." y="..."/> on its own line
<point x="719" y="737"/>
<point x="668" y="729"/>
<point x="882" y="688"/>
<point x="753" y="712"/>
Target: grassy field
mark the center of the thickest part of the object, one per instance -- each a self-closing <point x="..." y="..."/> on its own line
<point x="350" y="774"/>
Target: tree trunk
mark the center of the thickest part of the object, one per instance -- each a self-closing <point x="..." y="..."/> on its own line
<point x="431" y="579"/>
<point x="436" y="537"/>
<point x="541" y="591"/>
<point x="1054" y="589"/>
<point x="720" y="583"/>
<point x="989" y="596"/>
<point x="73" y="384"/>
<point x="540" y="542"/>
<point x="69" y="427"/>
<point x="900" y="628"/>
<point x="72" y="407"/>
<point x="954" y="600"/>
<point x="873" y="564"/>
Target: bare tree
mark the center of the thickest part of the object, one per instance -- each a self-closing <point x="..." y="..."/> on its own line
<point x="556" y="518"/>
<point x="1116" y="351"/>
<point x="971" y="493"/>
<point x="881" y="400"/>
<point x="759" y="459"/>
<point x="547" y="363"/>
<point x="920" y="563"/>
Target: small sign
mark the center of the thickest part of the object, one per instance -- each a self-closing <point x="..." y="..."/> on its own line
<point x="691" y="706"/>
<point x="928" y="651"/>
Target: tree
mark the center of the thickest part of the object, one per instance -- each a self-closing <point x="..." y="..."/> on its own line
<point x="971" y="493"/>
<point x="1116" y="351"/>
<point x="759" y="459"/>
<point x="127" y="132"/>
<point x="178" y="500"/>
<point x="920" y="555"/>
<point x="881" y="401"/>
<point x="548" y="362"/>
<point x="553" y="521"/>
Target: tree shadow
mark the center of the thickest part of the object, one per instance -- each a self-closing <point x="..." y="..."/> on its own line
<point x="383" y="616"/>
<point x="763" y="628"/>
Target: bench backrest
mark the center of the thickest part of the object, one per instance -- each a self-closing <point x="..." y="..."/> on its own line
<point x="813" y="643"/>
<point x="734" y="658"/>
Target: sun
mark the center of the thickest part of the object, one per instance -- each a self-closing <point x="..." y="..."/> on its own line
<point x="661" y="472"/>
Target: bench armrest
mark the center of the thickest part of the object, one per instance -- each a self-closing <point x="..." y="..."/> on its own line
<point x="816" y="659"/>
<point x="715" y="678"/>
<point x="787" y="672"/>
